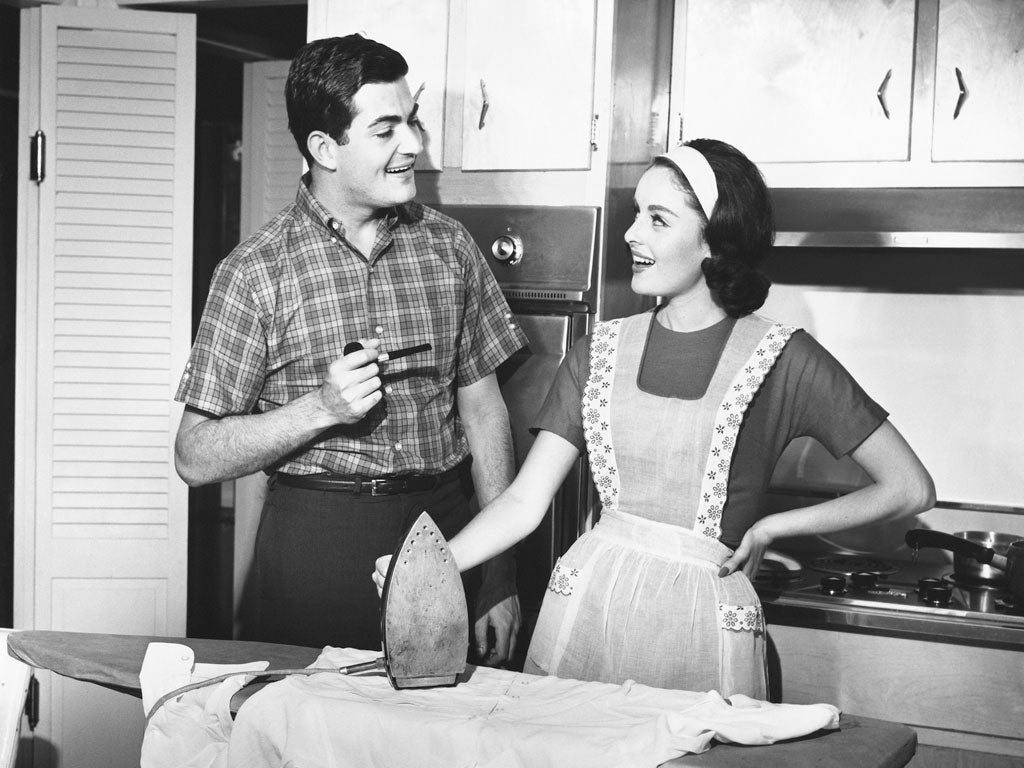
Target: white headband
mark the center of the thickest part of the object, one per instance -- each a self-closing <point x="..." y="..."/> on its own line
<point x="694" y="166"/>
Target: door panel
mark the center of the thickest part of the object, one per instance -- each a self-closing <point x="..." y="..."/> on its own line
<point x="104" y="284"/>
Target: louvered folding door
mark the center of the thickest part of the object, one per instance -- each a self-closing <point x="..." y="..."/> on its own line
<point x="104" y="292"/>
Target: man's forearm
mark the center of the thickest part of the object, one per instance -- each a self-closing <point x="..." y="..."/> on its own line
<point x="213" y="450"/>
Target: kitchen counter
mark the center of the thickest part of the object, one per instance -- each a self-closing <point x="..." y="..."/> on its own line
<point x="958" y="627"/>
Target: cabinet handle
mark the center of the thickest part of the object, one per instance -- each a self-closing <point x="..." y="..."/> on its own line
<point x="37" y="157"/>
<point x="881" y="93"/>
<point x="483" y="107"/>
<point x="963" y="92"/>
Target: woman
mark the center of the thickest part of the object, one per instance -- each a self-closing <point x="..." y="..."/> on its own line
<point x="684" y="411"/>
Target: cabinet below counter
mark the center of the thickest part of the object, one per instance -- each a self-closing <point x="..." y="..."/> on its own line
<point x="956" y="683"/>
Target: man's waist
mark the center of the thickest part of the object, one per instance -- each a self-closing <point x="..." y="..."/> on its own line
<point x="383" y="485"/>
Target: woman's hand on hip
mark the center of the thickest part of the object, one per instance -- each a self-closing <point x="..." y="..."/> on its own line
<point x="748" y="554"/>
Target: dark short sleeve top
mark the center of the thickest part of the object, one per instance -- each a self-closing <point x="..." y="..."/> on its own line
<point x="807" y="393"/>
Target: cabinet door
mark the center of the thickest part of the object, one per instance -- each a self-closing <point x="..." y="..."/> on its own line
<point x="979" y="81"/>
<point x="529" y="85"/>
<point x="418" y="31"/>
<point x="796" y="80"/>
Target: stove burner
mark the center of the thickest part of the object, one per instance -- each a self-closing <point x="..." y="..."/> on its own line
<point x="845" y="565"/>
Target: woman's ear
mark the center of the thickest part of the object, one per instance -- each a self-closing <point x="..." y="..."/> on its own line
<point x="322" y="149"/>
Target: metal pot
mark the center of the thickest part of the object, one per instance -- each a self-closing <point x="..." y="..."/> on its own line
<point x="978" y="555"/>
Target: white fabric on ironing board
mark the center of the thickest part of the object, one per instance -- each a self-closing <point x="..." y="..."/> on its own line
<point x="497" y="719"/>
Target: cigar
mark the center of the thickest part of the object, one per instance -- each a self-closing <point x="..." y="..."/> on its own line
<point x="354" y="346"/>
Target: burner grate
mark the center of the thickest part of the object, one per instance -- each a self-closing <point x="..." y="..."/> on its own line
<point x="844" y="565"/>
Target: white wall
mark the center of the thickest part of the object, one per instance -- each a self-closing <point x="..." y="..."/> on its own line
<point x="949" y="368"/>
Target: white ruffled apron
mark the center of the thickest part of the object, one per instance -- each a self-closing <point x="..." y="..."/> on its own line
<point x="639" y="597"/>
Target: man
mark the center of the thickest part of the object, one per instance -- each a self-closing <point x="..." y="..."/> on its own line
<point x="356" y="445"/>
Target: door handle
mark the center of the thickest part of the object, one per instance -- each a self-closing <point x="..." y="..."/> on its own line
<point x="880" y="93"/>
<point x="963" y="92"/>
<point x="483" y="107"/>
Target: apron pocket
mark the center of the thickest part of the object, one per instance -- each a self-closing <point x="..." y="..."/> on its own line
<point x="563" y="579"/>
<point x="740" y="618"/>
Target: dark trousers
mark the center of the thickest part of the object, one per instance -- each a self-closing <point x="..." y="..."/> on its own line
<point x="315" y="553"/>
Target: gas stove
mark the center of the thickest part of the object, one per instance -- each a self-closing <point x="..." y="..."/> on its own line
<point x="880" y="592"/>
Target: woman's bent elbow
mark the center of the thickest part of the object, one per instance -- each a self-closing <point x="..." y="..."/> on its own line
<point x="920" y="494"/>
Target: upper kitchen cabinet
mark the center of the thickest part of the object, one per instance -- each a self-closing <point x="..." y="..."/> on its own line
<point x="979" y="81"/>
<point x="876" y="93"/>
<point x="523" y="114"/>
<point x="419" y="31"/>
<point x="528" y="85"/>
<point x="796" y="80"/>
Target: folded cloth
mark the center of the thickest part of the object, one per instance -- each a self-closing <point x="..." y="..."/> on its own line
<point x="496" y="719"/>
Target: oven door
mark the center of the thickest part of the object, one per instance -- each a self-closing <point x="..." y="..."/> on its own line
<point x="525" y="380"/>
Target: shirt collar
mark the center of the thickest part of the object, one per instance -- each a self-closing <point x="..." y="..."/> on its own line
<point x="315" y="211"/>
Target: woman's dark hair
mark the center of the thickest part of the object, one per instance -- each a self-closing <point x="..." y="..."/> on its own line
<point x="741" y="230"/>
<point x="323" y="79"/>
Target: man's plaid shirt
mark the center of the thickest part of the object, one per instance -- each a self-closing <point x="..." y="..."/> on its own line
<point x="283" y="304"/>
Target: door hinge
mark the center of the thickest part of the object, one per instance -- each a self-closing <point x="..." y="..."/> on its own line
<point x="37" y="155"/>
<point x="32" y="703"/>
<point x="593" y="133"/>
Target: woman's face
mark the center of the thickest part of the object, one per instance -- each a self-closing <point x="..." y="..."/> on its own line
<point x="666" y="238"/>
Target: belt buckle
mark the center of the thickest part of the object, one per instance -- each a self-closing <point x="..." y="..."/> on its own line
<point x="373" y="487"/>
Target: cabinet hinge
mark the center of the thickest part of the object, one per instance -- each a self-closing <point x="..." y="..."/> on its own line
<point x="593" y="133"/>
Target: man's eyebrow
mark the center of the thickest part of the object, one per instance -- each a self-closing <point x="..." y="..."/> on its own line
<point x="395" y="119"/>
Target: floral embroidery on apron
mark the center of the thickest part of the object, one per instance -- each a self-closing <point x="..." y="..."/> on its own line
<point x="741" y="391"/>
<point x="563" y="579"/>
<point x="597" y="411"/>
<point x="741" y="618"/>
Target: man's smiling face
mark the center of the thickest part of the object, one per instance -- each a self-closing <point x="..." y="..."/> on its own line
<point x="375" y="162"/>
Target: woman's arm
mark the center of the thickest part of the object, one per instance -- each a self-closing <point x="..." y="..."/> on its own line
<point x="901" y="487"/>
<point x="515" y="513"/>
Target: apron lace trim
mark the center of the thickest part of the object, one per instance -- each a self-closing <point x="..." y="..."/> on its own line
<point x="740" y="393"/>
<point x="741" y="618"/>
<point x="597" y="398"/>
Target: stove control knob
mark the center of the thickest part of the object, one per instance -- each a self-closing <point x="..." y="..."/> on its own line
<point x="938" y="596"/>
<point x="863" y="580"/>
<point x="508" y="248"/>
<point x="924" y="584"/>
<point x="833" y="585"/>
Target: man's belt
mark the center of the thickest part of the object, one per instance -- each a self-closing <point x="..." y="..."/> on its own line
<point x="377" y="486"/>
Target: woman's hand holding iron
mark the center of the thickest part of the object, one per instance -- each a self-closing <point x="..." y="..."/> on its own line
<point x="380" y="573"/>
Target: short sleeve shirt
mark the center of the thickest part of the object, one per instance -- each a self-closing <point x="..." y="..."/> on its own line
<point x="285" y="302"/>
<point x="807" y="393"/>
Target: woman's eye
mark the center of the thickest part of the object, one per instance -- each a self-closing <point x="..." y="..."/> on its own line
<point x="657" y="220"/>
<point x="386" y="134"/>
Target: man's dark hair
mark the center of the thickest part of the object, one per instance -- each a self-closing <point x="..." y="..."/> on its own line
<point x="324" y="77"/>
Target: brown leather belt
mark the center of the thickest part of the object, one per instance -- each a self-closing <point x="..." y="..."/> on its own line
<point x="378" y="486"/>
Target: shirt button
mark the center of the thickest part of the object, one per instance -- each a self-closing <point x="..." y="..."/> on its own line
<point x="398" y="446"/>
<point x="334" y="239"/>
<point x="387" y="390"/>
<point x="379" y="329"/>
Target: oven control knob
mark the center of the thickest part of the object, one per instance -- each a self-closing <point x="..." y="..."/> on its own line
<point x="863" y="580"/>
<point x="938" y="596"/>
<point x="508" y="249"/>
<point x="833" y="585"/>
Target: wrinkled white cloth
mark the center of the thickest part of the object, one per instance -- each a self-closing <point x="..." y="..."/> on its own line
<point x="496" y="719"/>
<point x="192" y="730"/>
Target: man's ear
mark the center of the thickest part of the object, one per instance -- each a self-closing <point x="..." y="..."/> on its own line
<point x="322" y="148"/>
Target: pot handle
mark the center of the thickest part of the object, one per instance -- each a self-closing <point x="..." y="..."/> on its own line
<point x="917" y="538"/>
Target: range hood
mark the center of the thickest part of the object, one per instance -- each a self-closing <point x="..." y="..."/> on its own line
<point x="960" y="218"/>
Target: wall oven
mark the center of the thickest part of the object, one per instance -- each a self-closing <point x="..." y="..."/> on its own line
<point x="545" y="260"/>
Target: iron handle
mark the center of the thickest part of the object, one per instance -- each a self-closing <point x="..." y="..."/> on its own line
<point x="483" y="107"/>
<point x="37" y="157"/>
<point x="963" y="92"/>
<point x="880" y="93"/>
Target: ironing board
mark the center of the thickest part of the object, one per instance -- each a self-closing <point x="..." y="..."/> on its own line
<point x="114" y="661"/>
